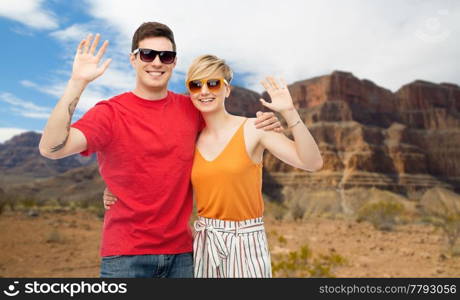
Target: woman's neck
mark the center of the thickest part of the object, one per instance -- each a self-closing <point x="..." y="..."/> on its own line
<point x="218" y="121"/>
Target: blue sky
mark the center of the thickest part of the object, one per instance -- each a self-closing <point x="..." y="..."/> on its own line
<point x="389" y="42"/>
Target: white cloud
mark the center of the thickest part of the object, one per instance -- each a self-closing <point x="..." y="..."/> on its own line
<point x="33" y="114"/>
<point x="8" y="133"/>
<point x="28" y="12"/>
<point x="25" y="108"/>
<point x="28" y="83"/>
<point x="53" y="89"/>
<point x="389" y="42"/>
<point x="114" y="81"/>
<point x="118" y="78"/>
<point x="74" y="33"/>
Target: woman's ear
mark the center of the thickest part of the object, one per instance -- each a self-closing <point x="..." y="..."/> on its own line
<point x="228" y="91"/>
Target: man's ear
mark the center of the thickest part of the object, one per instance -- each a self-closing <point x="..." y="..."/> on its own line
<point x="175" y="62"/>
<point x="132" y="59"/>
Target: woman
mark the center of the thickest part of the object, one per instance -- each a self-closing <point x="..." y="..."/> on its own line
<point x="230" y="239"/>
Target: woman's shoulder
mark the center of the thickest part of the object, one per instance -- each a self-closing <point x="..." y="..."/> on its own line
<point x="250" y="122"/>
<point x="250" y="126"/>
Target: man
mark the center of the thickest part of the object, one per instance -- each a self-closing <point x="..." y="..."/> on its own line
<point x="144" y="141"/>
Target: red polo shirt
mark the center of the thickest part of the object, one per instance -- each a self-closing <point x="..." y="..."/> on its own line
<point x="145" y="152"/>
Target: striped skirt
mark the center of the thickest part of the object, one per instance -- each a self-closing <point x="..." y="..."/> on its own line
<point x="230" y="249"/>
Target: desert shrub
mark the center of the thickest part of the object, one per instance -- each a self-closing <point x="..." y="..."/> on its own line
<point x="324" y="266"/>
<point x="11" y="203"/>
<point x="302" y="263"/>
<point x="92" y="203"/>
<point x="22" y="202"/>
<point x="441" y="208"/>
<point x="279" y="213"/>
<point x="97" y="210"/>
<point x="27" y="201"/>
<point x="54" y="237"/>
<point x="282" y="240"/>
<point x="293" y="264"/>
<point x="449" y="223"/>
<point x="275" y="210"/>
<point x="41" y="202"/>
<point x="61" y="202"/>
<point x="297" y="209"/>
<point x="382" y="215"/>
<point x="85" y="203"/>
<point x="2" y="205"/>
<point x="2" y="200"/>
<point x="53" y="203"/>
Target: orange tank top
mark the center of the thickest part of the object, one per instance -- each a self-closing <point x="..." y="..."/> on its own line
<point x="230" y="186"/>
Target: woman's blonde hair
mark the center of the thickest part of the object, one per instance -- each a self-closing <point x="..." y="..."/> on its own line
<point x="205" y="65"/>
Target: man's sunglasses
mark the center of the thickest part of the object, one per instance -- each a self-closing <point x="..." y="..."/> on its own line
<point x="214" y="85"/>
<point x="148" y="55"/>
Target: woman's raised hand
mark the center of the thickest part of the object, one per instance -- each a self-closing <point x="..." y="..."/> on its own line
<point x="279" y="94"/>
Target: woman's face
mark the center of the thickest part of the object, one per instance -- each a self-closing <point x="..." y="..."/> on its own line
<point x="208" y="94"/>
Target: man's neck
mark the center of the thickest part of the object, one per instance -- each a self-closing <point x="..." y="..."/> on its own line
<point x="151" y="94"/>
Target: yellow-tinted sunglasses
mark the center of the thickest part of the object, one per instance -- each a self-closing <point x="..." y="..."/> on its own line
<point x="213" y="85"/>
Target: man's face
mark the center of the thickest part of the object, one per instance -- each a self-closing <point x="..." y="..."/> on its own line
<point x="153" y="75"/>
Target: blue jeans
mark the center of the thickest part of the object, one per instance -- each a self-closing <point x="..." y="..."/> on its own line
<point x="148" y="266"/>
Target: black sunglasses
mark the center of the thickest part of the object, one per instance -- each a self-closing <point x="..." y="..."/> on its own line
<point x="148" y="55"/>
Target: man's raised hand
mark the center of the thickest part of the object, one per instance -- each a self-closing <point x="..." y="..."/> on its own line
<point x="86" y="65"/>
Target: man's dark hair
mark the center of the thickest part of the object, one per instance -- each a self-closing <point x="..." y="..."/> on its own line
<point x="152" y="29"/>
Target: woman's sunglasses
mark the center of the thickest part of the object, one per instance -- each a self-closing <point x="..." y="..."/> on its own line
<point x="214" y="85"/>
<point x="148" y="55"/>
